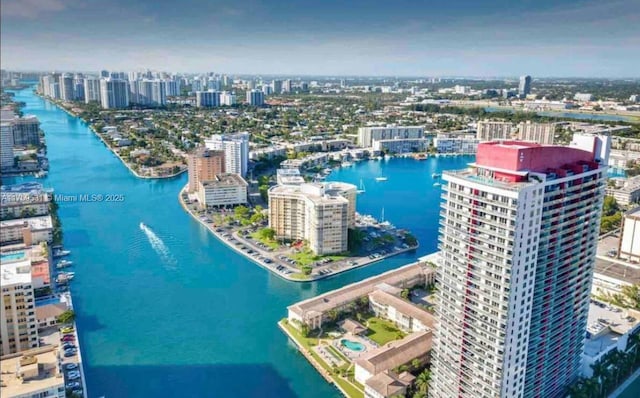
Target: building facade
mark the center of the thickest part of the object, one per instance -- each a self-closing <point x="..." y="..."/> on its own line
<point x="18" y="323"/>
<point x="207" y="99"/>
<point x="236" y="151"/>
<point x="91" y="90"/>
<point x="401" y="145"/>
<point x="319" y="213"/>
<point x="255" y="98"/>
<point x="524" y="88"/>
<point x="489" y="130"/>
<point x="630" y="236"/>
<point x="114" y="93"/>
<point x="542" y="133"/>
<point x="6" y="144"/>
<point x="223" y="190"/>
<point x="204" y="164"/>
<point x="366" y="135"/>
<point x="518" y="241"/>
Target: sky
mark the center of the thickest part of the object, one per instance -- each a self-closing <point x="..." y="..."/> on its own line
<point x="481" y="38"/>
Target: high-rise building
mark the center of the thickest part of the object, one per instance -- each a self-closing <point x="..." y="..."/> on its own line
<point x="489" y="130"/>
<point x="236" y="151"/>
<point x="6" y="144"/>
<point x="277" y="86"/>
<point x="366" y="135"/>
<point x="227" y="98"/>
<point x="114" y="93"/>
<point x="518" y="243"/>
<point x="18" y="323"/>
<point x="204" y="164"/>
<point x="286" y="86"/>
<point x="267" y="89"/>
<point x="318" y="213"/>
<point x="91" y="90"/>
<point x="45" y="85"/>
<point x="104" y="73"/>
<point x="78" y="88"/>
<point x="255" y="98"/>
<point x="148" y="92"/>
<point x="207" y="99"/>
<point x="66" y="87"/>
<point x="525" y="86"/>
<point x="542" y="133"/>
<point x="196" y="85"/>
<point x="26" y="131"/>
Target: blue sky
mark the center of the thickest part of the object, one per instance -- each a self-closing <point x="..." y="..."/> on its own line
<point x="331" y="37"/>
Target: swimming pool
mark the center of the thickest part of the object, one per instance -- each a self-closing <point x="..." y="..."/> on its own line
<point x="12" y="256"/>
<point x="352" y="345"/>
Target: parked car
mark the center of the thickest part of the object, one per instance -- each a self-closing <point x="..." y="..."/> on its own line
<point x="73" y="384"/>
<point x="68" y="337"/>
<point x="68" y="346"/>
<point x="71" y="366"/>
<point x="66" y="329"/>
<point x="74" y="376"/>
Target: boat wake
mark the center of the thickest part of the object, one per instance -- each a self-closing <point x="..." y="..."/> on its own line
<point x="159" y="247"/>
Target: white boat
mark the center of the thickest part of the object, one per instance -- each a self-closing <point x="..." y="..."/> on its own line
<point x="347" y="164"/>
<point x="64" y="264"/>
<point x="361" y="188"/>
<point x="381" y="178"/>
<point x="437" y="184"/>
<point x="61" y="253"/>
<point x="435" y="175"/>
<point x="379" y="158"/>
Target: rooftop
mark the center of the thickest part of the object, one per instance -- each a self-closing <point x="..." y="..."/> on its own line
<point x="36" y="223"/>
<point x="349" y="293"/>
<point x="388" y="383"/>
<point x="50" y="310"/>
<point x="225" y="180"/>
<point x="16" y="273"/>
<point x="38" y="369"/>
<point x="403" y="306"/>
<point x="396" y="353"/>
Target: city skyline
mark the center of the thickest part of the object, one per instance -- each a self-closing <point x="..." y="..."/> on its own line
<point x="560" y="39"/>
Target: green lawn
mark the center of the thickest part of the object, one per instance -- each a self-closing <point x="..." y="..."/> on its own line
<point x="307" y="257"/>
<point x="382" y="331"/>
<point x="270" y="243"/>
<point x="300" y="276"/>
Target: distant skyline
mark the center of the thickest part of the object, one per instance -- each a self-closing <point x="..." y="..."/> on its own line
<point x="582" y="38"/>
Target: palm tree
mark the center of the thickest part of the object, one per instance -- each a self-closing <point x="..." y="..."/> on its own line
<point x="422" y="381"/>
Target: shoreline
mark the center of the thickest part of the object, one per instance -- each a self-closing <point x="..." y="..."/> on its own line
<point x="277" y="262"/>
<point x="92" y="128"/>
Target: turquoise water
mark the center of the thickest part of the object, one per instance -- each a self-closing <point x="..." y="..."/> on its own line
<point x="633" y="391"/>
<point x="169" y="311"/>
<point x="571" y="115"/>
<point x="12" y="256"/>
<point x="352" y="345"/>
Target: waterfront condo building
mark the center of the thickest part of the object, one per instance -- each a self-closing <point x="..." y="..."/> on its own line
<point x="518" y="238"/>
<point x="6" y="145"/>
<point x="91" y="90"/>
<point x="319" y="213"/>
<point x="207" y="99"/>
<point x="236" y="151"/>
<point x="366" y="135"/>
<point x="255" y="98"/>
<point x="489" y="130"/>
<point x="223" y="190"/>
<point x="542" y="133"/>
<point x="114" y="93"/>
<point x="204" y="164"/>
<point x="18" y="323"/>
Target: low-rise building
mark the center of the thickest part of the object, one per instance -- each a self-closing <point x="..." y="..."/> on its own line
<point x="404" y="314"/>
<point x="312" y="160"/>
<point x="23" y="200"/>
<point x="314" y="311"/>
<point x="625" y="190"/>
<point x="465" y="144"/>
<point x="29" y="231"/>
<point x="391" y="355"/>
<point x="401" y="145"/>
<point x="289" y="177"/>
<point x="630" y="236"/>
<point x="366" y="135"/>
<point x="269" y="152"/>
<point x="33" y="373"/>
<point x="388" y="384"/>
<point x="224" y="190"/>
<point x="47" y="315"/>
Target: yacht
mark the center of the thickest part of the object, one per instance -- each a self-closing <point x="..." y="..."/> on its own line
<point x="381" y="178"/>
<point x="361" y="187"/>
<point x="437" y="184"/>
<point x="64" y="264"/>
<point x="61" y="253"/>
<point x="347" y="164"/>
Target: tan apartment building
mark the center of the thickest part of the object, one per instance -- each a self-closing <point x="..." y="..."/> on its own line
<point x="33" y="373"/>
<point x="204" y="164"/>
<point x="18" y="323"/>
<point x="223" y="190"/>
<point x="319" y="213"/>
<point x="542" y="133"/>
<point x="489" y="130"/>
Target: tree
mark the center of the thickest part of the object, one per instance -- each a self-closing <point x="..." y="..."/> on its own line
<point x="422" y="381"/>
<point x="405" y="294"/>
<point x="66" y="317"/>
<point x="241" y="212"/>
<point x="267" y="233"/>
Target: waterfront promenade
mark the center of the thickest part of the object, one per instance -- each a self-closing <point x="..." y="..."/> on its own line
<point x="256" y="254"/>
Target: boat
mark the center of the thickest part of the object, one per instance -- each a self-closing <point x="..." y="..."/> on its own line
<point x="61" y="253"/>
<point x="379" y="158"/>
<point x="361" y="187"/>
<point x="435" y="175"/>
<point x="420" y="156"/>
<point x="64" y="264"/>
<point x="65" y="277"/>
<point x="347" y="164"/>
<point x="381" y="178"/>
<point x="437" y="184"/>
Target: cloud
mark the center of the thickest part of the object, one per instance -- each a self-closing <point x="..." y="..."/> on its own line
<point x="32" y="9"/>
